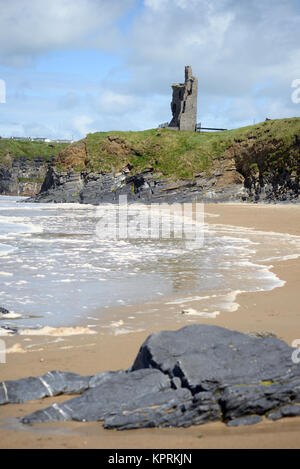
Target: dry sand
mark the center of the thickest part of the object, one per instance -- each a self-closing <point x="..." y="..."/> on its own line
<point x="276" y="311"/>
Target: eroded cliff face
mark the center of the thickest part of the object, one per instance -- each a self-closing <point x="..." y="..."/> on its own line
<point x="73" y="156"/>
<point x="24" y="164"/>
<point x="271" y="170"/>
<point x="224" y="183"/>
<point x="22" y="176"/>
<point x="256" y="164"/>
<point x="246" y="172"/>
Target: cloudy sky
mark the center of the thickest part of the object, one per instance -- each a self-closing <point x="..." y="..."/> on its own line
<point x="78" y="66"/>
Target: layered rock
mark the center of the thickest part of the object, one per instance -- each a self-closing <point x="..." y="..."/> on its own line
<point x="193" y="376"/>
<point x="250" y="170"/>
<point x="224" y="184"/>
<point x="271" y="171"/>
<point x="23" y="176"/>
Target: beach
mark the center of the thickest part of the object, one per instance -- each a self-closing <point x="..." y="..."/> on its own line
<point x="275" y="310"/>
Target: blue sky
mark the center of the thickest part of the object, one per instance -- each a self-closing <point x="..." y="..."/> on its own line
<point x="97" y="65"/>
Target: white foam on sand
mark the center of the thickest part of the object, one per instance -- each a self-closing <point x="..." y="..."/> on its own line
<point x="127" y="331"/>
<point x="10" y="315"/>
<point x="201" y="314"/>
<point x="188" y="300"/>
<point x="16" y="348"/>
<point x="57" y="332"/>
<point x="5" y="333"/>
<point x="229" y="304"/>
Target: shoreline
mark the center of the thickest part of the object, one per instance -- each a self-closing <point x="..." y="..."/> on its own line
<point x="275" y="311"/>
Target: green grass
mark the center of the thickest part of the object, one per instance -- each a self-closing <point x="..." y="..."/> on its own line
<point x="184" y="154"/>
<point x="25" y="180"/>
<point x="24" y="148"/>
<point x="175" y="154"/>
<point x="168" y="152"/>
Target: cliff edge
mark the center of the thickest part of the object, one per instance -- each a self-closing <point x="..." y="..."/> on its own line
<point x="259" y="163"/>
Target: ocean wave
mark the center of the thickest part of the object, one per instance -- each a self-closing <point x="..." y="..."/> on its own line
<point x="5" y="249"/>
<point x="7" y="228"/>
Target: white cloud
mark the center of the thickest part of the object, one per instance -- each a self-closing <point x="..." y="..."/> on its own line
<point x="233" y="48"/>
<point x="83" y="125"/>
<point x="30" y="28"/>
<point x="112" y="102"/>
<point x="245" y="55"/>
<point x="155" y="4"/>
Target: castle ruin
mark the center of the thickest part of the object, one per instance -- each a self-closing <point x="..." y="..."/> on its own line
<point x="184" y="103"/>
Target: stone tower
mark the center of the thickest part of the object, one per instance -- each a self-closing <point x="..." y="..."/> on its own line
<point x="184" y="103"/>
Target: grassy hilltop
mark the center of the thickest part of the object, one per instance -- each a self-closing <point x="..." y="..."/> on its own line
<point x="10" y="149"/>
<point x="270" y="145"/>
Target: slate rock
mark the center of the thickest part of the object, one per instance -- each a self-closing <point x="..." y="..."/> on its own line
<point x="146" y="187"/>
<point x="245" y="421"/>
<point x="287" y="411"/>
<point x="237" y="401"/>
<point x="206" y="358"/>
<point x="152" y="410"/>
<point x="115" y="392"/>
<point x="193" y="376"/>
<point x="166" y="409"/>
<point x="51" y="384"/>
<point x="101" y="378"/>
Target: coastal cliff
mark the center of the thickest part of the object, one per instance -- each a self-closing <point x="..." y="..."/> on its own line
<point x="259" y="163"/>
<point x="24" y="165"/>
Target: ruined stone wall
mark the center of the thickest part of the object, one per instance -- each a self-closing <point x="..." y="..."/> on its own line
<point x="184" y="102"/>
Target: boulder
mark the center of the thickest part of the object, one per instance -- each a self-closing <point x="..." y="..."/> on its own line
<point x="207" y="358"/>
<point x="193" y="376"/>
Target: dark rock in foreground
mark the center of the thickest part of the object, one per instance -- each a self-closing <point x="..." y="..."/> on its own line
<point x="3" y="311"/>
<point x="287" y="411"/>
<point x="49" y="385"/>
<point x="207" y="358"/>
<point x="193" y="376"/>
<point x="245" y="421"/>
<point x="113" y="392"/>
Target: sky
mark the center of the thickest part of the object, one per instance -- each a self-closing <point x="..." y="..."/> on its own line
<point x="71" y="67"/>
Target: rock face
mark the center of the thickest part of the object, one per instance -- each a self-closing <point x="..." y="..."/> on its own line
<point x="256" y="164"/>
<point x="271" y="172"/>
<point x="23" y="176"/>
<point x="184" y="103"/>
<point x="193" y="376"/>
<point x="147" y="187"/>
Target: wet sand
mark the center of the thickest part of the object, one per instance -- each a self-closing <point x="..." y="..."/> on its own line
<point x="277" y="311"/>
